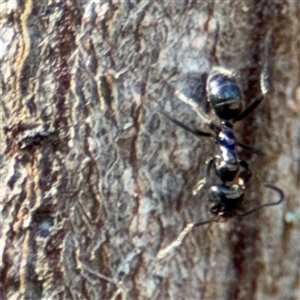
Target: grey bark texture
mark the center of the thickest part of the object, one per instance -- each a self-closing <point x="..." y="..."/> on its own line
<point x="96" y="184"/>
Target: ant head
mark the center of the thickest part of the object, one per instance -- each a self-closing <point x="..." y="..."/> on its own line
<point x="224" y="94"/>
<point x="225" y="200"/>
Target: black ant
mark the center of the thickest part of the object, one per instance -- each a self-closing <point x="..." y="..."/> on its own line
<point x="225" y="98"/>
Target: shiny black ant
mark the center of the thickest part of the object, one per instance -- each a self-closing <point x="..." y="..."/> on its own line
<point x="225" y="98"/>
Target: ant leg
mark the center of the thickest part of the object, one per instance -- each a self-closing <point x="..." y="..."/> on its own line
<point x="213" y="127"/>
<point x="246" y="174"/>
<point x="253" y="150"/>
<point x="216" y="129"/>
<point x="183" y="126"/>
<point x="269" y="186"/>
<point x="200" y="184"/>
<point x="191" y="103"/>
<point x="249" y="109"/>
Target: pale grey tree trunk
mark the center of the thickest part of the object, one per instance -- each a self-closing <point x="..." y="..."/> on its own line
<point x="95" y="182"/>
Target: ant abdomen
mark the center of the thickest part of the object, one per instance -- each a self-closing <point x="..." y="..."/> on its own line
<point x="224" y="95"/>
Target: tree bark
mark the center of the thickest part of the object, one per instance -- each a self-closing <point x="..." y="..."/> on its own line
<point x="96" y="184"/>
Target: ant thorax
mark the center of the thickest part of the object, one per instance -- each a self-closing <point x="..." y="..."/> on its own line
<point x="227" y="164"/>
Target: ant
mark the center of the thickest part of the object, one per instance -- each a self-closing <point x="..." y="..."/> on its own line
<point x="225" y="98"/>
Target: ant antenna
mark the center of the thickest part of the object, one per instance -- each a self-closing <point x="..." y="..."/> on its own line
<point x="163" y="253"/>
<point x="269" y="186"/>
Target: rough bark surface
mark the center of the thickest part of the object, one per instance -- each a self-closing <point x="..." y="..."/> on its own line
<point x="95" y="182"/>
